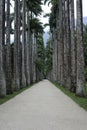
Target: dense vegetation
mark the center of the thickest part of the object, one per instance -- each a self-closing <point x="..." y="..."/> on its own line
<point x="85" y="47"/>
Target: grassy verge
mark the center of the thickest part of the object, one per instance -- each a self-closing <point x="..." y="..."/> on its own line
<point x="82" y="102"/>
<point x="10" y="96"/>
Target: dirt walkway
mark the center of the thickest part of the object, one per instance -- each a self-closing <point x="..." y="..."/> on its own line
<point x="42" y="107"/>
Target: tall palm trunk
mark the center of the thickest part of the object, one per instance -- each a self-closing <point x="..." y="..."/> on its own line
<point x="30" y="53"/>
<point x="8" y="52"/>
<point x="2" y="76"/>
<point x="57" y="33"/>
<point x="65" y="43"/>
<point x="16" y="43"/>
<point x="19" y="44"/>
<point x="73" y="50"/>
<point x="59" y="42"/>
<point x="54" y="55"/>
<point x="80" y="90"/>
<point x="3" y="36"/>
<point x="33" y="57"/>
<point x="23" y="45"/>
<point x="68" y="38"/>
<point x="27" y="49"/>
<point x="61" y="45"/>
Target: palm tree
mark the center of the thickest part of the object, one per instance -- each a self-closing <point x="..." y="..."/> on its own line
<point x="3" y="22"/>
<point x="68" y="46"/>
<point x="33" y="56"/>
<point x="34" y="12"/>
<point x="2" y="75"/>
<point x="64" y="44"/>
<point x="8" y="52"/>
<point x="53" y="28"/>
<point x="23" y="80"/>
<point x="36" y="29"/>
<point x="80" y="89"/>
<point x="53" y="20"/>
<point x="3" y="36"/>
<point x="27" y="69"/>
<point x="19" y="44"/>
<point x="60" y="43"/>
<point x="54" y="55"/>
<point x="36" y="4"/>
<point x="73" y="50"/>
<point x="16" y="47"/>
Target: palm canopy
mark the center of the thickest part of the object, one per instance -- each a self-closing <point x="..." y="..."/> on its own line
<point x="52" y="17"/>
<point x="53" y="2"/>
<point x="35" y="6"/>
<point x="36" y="25"/>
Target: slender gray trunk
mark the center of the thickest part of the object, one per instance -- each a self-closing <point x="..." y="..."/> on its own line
<point x="33" y="57"/>
<point x="19" y="43"/>
<point x="23" y="45"/>
<point x="54" y="55"/>
<point x="80" y="89"/>
<point x="59" y="43"/>
<point x="65" y="45"/>
<point x="61" y="46"/>
<point x="8" y="52"/>
<point x="27" y="51"/>
<point x="73" y="49"/>
<point x="68" y="79"/>
<point x="30" y="53"/>
<point x="16" y="45"/>
<point x="2" y="75"/>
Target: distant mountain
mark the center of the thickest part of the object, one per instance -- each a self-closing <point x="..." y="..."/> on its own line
<point x="46" y="37"/>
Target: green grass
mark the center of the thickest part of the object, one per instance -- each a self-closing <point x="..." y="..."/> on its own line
<point x="82" y="102"/>
<point x="10" y="96"/>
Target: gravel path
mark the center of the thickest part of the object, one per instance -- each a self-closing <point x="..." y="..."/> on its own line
<point x="42" y="107"/>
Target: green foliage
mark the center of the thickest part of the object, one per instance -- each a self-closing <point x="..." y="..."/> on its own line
<point x="40" y="54"/>
<point x="36" y="25"/>
<point x="48" y="57"/>
<point x="86" y="72"/>
<point x="53" y="2"/>
<point x="44" y="60"/>
<point x="53" y="14"/>
<point x="85" y="47"/>
<point x="82" y="102"/>
<point x="35" y="6"/>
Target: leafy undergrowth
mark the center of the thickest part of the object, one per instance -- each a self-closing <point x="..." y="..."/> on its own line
<point x="10" y="96"/>
<point x="81" y="101"/>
